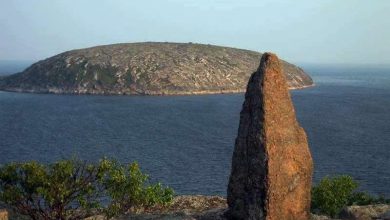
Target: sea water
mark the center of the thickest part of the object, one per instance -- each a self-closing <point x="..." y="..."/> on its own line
<point x="186" y="142"/>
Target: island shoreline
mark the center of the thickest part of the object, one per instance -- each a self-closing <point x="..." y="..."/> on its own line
<point x="189" y="93"/>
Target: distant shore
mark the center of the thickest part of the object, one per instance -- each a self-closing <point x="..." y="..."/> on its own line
<point x="150" y="93"/>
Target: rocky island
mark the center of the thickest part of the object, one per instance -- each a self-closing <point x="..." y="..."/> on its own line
<point x="146" y="69"/>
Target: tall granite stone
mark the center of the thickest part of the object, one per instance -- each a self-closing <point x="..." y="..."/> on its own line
<point x="271" y="166"/>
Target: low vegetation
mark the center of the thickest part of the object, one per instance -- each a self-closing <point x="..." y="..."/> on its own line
<point x="72" y="189"/>
<point x="332" y="194"/>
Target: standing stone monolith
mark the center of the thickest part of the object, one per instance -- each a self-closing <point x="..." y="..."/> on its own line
<point x="271" y="167"/>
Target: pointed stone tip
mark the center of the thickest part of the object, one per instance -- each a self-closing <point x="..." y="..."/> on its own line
<point x="269" y="60"/>
<point x="269" y="57"/>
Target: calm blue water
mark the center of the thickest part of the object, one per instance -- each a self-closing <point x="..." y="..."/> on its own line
<point x="187" y="141"/>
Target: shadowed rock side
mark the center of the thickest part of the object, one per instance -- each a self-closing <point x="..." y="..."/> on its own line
<point x="146" y="69"/>
<point x="271" y="166"/>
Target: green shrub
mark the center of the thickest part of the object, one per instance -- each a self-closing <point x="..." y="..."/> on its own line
<point x="363" y="198"/>
<point x="129" y="189"/>
<point x="56" y="191"/>
<point x="332" y="194"/>
<point x="71" y="189"/>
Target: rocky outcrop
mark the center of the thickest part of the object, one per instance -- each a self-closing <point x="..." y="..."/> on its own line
<point x="3" y="214"/>
<point x="368" y="212"/>
<point x="271" y="166"/>
<point x="193" y="207"/>
<point x="146" y="69"/>
<point x="200" y="207"/>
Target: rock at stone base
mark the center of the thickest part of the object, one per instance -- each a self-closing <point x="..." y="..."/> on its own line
<point x="367" y="212"/>
<point x="385" y="216"/>
<point x="271" y="166"/>
<point x="197" y="207"/>
<point x="3" y="214"/>
<point x="321" y="217"/>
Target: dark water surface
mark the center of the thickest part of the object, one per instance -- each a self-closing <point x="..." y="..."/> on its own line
<point x="187" y="141"/>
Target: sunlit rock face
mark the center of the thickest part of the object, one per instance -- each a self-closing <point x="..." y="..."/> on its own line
<point x="271" y="166"/>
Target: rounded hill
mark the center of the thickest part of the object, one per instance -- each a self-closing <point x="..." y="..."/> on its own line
<point x="146" y="69"/>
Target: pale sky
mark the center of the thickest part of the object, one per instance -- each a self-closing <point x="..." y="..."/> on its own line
<point x="302" y="31"/>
